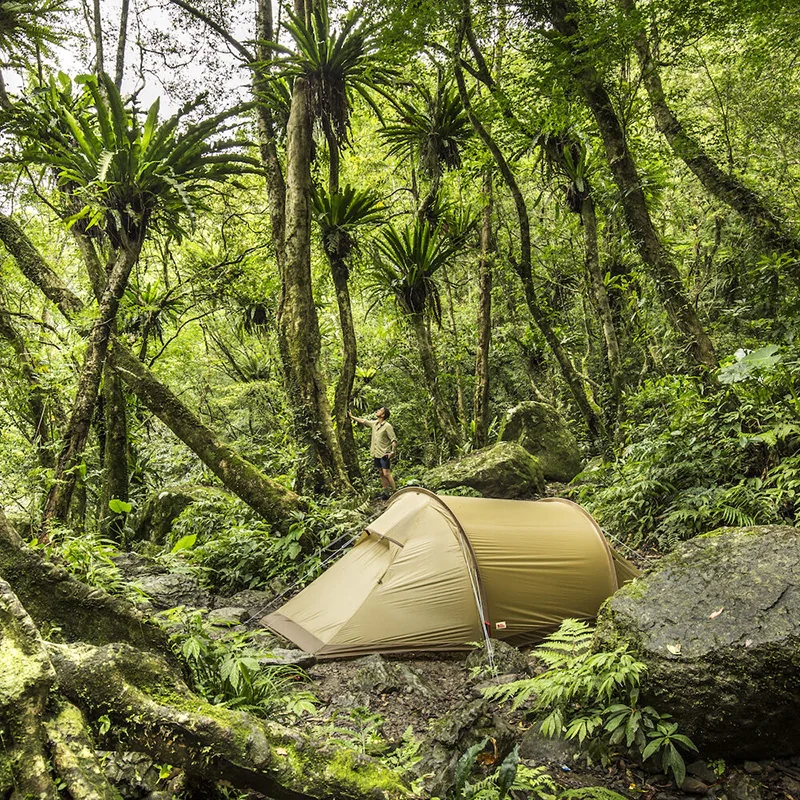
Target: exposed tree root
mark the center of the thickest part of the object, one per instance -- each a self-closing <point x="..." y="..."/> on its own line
<point x="109" y="662"/>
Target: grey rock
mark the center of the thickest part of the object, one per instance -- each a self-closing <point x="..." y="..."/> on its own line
<point x="135" y="566"/>
<point x="542" y="431"/>
<point x="503" y="470"/>
<point x="701" y="770"/>
<point x="543" y="750"/>
<point x="282" y="657"/>
<point x="717" y="623"/>
<point x="228" y="615"/>
<point x="453" y="734"/>
<point x="376" y="675"/>
<point x="693" y="785"/>
<point x="741" y="786"/>
<point x="506" y="659"/>
<point x="173" y="589"/>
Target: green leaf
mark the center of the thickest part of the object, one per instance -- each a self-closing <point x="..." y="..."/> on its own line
<point x="184" y="543"/>
<point x="507" y="772"/>
<point x="120" y="506"/>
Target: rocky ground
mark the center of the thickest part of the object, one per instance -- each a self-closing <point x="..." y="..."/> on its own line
<point x="375" y="701"/>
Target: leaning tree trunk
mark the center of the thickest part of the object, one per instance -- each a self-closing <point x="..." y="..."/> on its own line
<point x="669" y="286"/>
<point x="58" y="500"/>
<point x="242" y="478"/>
<point x="271" y="499"/>
<point x="110" y="663"/>
<point x="523" y="268"/>
<point x="321" y="465"/>
<point x="749" y="204"/>
<point x="430" y="370"/>
<point x="481" y="398"/>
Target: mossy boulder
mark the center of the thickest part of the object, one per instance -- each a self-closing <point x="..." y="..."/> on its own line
<point x="503" y="470"/>
<point x="154" y="521"/>
<point x="542" y="431"/>
<point x="718" y="624"/>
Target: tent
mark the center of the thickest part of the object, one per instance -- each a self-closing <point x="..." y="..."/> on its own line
<point x="437" y="572"/>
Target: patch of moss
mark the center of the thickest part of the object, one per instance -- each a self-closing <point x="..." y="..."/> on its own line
<point x="348" y="768"/>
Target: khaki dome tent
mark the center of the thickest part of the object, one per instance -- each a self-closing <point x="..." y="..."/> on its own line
<point x="431" y="571"/>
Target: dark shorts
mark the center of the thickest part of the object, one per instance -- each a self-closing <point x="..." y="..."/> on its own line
<point x="381" y="463"/>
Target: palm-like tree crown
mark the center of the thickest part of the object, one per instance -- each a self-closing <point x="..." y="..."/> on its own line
<point x="24" y="26"/>
<point x="122" y="175"/>
<point x="433" y="129"/>
<point x="336" y="64"/>
<point x="406" y="262"/>
<point x="340" y="214"/>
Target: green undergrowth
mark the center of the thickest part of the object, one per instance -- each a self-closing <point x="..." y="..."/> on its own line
<point x="227" y="669"/>
<point x="593" y="698"/>
<point x="699" y="453"/>
<point x="234" y="549"/>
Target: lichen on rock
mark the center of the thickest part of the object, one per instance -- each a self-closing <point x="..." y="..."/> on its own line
<point x="718" y="624"/>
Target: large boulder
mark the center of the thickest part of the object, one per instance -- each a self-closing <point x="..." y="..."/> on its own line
<point x="542" y="431"/>
<point x="718" y="624"/>
<point x="503" y="470"/>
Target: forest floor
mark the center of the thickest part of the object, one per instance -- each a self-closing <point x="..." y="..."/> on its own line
<point x="445" y="685"/>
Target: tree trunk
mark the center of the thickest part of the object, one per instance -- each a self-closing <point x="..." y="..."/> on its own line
<point x="122" y="42"/>
<point x="602" y="302"/>
<point x="341" y="274"/>
<point x="321" y="464"/>
<point x="115" y="455"/>
<point x="749" y="204"/>
<point x="58" y="499"/>
<point x="523" y="269"/>
<point x="98" y="39"/>
<point x="430" y="370"/>
<point x="239" y="476"/>
<point x="344" y="386"/>
<point x="666" y="277"/>
<point x="39" y="414"/>
<point x="485" y="265"/>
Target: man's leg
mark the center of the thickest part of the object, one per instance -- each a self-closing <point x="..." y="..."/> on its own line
<point x="387" y="480"/>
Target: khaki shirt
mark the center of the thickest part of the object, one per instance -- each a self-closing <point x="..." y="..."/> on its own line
<point x="382" y="437"/>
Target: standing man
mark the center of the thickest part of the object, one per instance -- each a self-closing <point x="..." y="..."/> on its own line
<point x="382" y="446"/>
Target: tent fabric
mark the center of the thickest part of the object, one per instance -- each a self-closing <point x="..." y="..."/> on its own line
<point x="435" y="572"/>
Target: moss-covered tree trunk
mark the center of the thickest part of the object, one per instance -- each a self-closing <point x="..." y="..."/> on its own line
<point x="748" y="203"/>
<point x="666" y="278"/>
<point x="271" y="499"/>
<point x="321" y="467"/>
